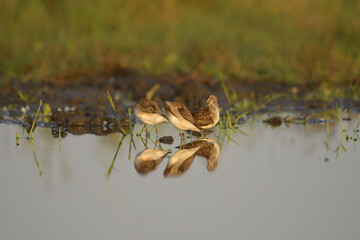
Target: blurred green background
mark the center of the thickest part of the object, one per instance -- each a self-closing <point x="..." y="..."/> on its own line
<point x="299" y="41"/>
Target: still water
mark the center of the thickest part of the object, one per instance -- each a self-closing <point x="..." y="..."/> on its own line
<point x="273" y="183"/>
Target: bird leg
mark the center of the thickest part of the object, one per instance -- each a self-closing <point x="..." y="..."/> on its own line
<point x="139" y="133"/>
<point x="183" y="137"/>
<point x="156" y="142"/>
<point x="180" y="139"/>
<point x="156" y="131"/>
<point x="147" y="131"/>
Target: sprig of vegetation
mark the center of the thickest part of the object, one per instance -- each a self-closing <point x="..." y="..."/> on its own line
<point x="152" y="91"/>
<point x="23" y="97"/>
<point x="340" y="145"/>
<point x="30" y="136"/>
<point x="340" y="115"/>
<point x="225" y="89"/>
<point x="17" y="139"/>
<point x="116" y="115"/>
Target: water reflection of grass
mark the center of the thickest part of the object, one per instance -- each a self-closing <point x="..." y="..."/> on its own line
<point x="36" y="161"/>
<point x="31" y="144"/>
<point x="354" y="138"/>
<point x="116" y="153"/>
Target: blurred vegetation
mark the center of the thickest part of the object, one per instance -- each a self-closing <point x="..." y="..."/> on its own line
<point x="300" y="41"/>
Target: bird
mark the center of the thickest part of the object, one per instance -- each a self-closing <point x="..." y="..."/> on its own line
<point x="148" y="160"/>
<point x="181" y="117"/>
<point x="149" y="112"/>
<point x="208" y="117"/>
<point x="180" y="162"/>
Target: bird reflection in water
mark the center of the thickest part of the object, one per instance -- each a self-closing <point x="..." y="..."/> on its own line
<point x="181" y="161"/>
<point x="149" y="159"/>
<point x="209" y="149"/>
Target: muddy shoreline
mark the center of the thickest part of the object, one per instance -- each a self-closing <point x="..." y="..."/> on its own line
<point x="80" y="106"/>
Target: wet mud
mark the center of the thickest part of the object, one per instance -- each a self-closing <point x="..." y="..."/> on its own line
<point x="79" y="105"/>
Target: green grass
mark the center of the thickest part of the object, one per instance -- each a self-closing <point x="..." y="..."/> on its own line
<point x="115" y="113"/>
<point x="300" y="41"/>
<point x="341" y="115"/>
<point x="31" y="133"/>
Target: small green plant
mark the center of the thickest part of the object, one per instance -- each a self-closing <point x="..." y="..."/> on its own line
<point x="340" y="145"/>
<point x="25" y="98"/>
<point x="340" y="115"/>
<point x="17" y="139"/>
<point x="31" y="135"/>
<point x="228" y="119"/>
<point x="116" y="115"/>
<point x="225" y="89"/>
<point x="152" y="91"/>
<point x="47" y="112"/>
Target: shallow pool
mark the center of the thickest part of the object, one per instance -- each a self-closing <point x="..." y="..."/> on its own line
<point x="272" y="183"/>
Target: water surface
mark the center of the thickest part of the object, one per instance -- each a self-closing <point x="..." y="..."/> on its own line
<point x="274" y="183"/>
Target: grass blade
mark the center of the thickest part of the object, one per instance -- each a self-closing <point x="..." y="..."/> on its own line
<point x="116" y="115"/>
<point x="34" y="121"/>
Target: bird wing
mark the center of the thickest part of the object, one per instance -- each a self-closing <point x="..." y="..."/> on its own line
<point x="203" y="117"/>
<point x="205" y="147"/>
<point x="186" y="114"/>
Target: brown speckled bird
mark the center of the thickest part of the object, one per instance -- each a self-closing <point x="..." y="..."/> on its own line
<point x="208" y="117"/>
<point x="181" y="117"/>
<point x="149" y="112"/>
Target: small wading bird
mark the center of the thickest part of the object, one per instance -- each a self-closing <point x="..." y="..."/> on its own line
<point x="149" y="112"/>
<point x="208" y="117"/>
<point x="181" y="117"/>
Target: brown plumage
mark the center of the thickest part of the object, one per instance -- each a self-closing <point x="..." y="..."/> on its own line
<point x="203" y="117"/>
<point x="209" y="116"/>
<point x="149" y="112"/>
<point x="181" y="117"/>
